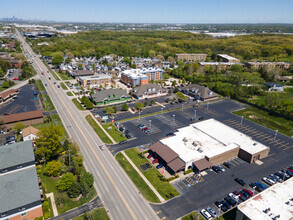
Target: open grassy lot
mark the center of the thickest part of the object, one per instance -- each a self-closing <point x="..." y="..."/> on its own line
<point x="77" y="104"/>
<point x="50" y="186"/>
<point x="47" y="103"/>
<point x="63" y="86"/>
<point x="69" y="93"/>
<point x="270" y="121"/>
<point x="114" y="132"/>
<point x="98" y="130"/>
<point x="99" y="213"/>
<point x="63" y="76"/>
<point x="193" y="216"/>
<point x="163" y="187"/>
<point x="56" y="121"/>
<point x="40" y="86"/>
<point x="136" y="179"/>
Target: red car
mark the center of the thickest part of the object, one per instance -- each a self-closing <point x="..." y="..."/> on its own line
<point x="150" y="156"/>
<point x="145" y="128"/>
<point x="15" y="78"/>
<point x="248" y="191"/>
<point x="43" y="73"/>
<point x="155" y="161"/>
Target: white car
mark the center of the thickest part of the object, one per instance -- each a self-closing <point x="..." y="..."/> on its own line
<point x="206" y="214"/>
<point x="102" y="147"/>
<point x="268" y="181"/>
<point x="233" y="196"/>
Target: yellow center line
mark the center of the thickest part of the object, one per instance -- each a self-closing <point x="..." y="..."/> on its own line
<point x="100" y="162"/>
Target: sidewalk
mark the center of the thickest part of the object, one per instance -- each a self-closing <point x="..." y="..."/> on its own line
<point x="51" y="195"/>
<point x="143" y="177"/>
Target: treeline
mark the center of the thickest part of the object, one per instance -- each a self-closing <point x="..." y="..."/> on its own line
<point x="270" y="47"/>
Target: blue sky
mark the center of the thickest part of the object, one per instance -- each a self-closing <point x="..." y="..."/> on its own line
<point x="152" y="11"/>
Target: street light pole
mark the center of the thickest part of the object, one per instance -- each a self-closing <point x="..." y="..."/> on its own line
<point x="150" y="121"/>
<point x="241" y="120"/>
<point x="276" y="133"/>
<point x="139" y="116"/>
<point x="162" y="112"/>
<point x="208" y="106"/>
<point x="173" y="119"/>
<point x="182" y="106"/>
<point x="194" y="114"/>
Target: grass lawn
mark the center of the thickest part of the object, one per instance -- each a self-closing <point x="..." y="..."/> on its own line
<point x="50" y="208"/>
<point x="56" y="121"/>
<point x="99" y="213"/>
<point x="69" y="93"/>
<point x="50" y="186"/>
<point x="270" y="121"/>
<point x="114" y="132"/>
<point x="63" y="76"/>
<point x="77" y="104"/>
<point x="40" y="86"/>
<point x="136" y="179"/>
<point x="193" y="216"/>
<point x="63" y="86"/>
<point x="98" y="130"/>
<point x="47" y="103"/>
<point x="163" y="187"/>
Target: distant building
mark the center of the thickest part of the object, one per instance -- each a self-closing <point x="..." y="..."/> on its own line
<point x="21" y="193"/>
<point x="26" y="118"/>
<point x="136" y="77"/>
<point x="95" y="80"/>
<point x="269" y="65"/>
<point x="78" y="73"/>
<point x="7" y="95"/>
<point x="274" y="87"/>
<point x="227" y="59"/>
<point x="190" y="57"/>
<point x="110" y="96"/>
<point x="199" y="92"/>
<point x="149" y="90"/>
<point x="275" y="202"/>
<point x="219" y="65"/>
<point x="29" y="133"/>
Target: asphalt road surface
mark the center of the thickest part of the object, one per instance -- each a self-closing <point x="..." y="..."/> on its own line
<point x="121" y="198"/>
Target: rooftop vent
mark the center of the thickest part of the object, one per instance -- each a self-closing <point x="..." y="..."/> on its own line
<point x="184" y="139"/>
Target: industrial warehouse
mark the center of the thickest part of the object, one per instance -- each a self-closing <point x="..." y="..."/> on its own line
<point x="207" y="143"/>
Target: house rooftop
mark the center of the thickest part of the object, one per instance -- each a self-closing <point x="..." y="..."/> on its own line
<point x="274" y="201"/>
<point x="29" y="130"/>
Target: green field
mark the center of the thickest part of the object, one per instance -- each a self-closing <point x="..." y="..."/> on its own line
<point x="163" y="187"/>
<point x="63" y="76"/>
<point x="114" y="132"/>
<point x="40" y="86"/>
<point x="136" y="179"/>
<point x="69" y="93"/>
<point x="47" y="103"/>
<point x="56" y="121"/>
<point x="270" y="121"/>
<point x="99" y="214"/>
<point x="98" y="130"/>
<point x="77" y="104"/>
<point x="63" y="86"/>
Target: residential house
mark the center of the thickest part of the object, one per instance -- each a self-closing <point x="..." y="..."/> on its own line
<point x="274" y="87"/>
<point x="199" y="92"/>
<point x="29" y="133"/>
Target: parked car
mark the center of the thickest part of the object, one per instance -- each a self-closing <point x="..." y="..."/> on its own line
<point x="128" y="136"/>
<point x="206" y="214"/>
<point x="216" y="169"/>
<point x="212" y="212"/>
<point x="240" y="181"/>
<point x="144" y="128"/>
<point x="201" y="118"/>
<point x="15" y="78"/>
<point x="169" y="134"/>
<point x="58" y="86"/>
<point x="102" y="147"/>
<point x="247" y="195"/>
<point x="140" y="125"/>
<point x="122" y="142"/>
<point x="159" y="166"/>
<point x="218" y="204"/>
<point x="289" y="172"/>
<point x="54" y="82"/>
<point x="150" y="156"/>
<point x="231" y="201"/>
<point x="221" y="168"/>
<point x="155" y="161"/>
<point x="192" y="119"/>
<point x="49" y="78"/>
<point x="226" y="204"/>
<point x="228" y="165"/>
<point x="275" y="178"/>
<point x="280" y="175"/>
<point x="233" y="196"/>
<point x="45" y="84"/>
<point x="148" y="131"/>
<point x="248" y="191"/>
<point x="268" y="181"/>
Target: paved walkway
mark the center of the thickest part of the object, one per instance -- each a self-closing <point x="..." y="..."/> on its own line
<point x="51" y="195"/>
<point x="143" y="177"/>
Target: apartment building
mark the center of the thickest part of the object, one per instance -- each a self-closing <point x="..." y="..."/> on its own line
<point x="269" y="65"/>
<point x="227" y="59"/>
<point x="95" y="81"/>
<point x="190" y="57"/>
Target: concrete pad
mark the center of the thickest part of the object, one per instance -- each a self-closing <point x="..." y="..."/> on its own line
<point x="258" y="162"/>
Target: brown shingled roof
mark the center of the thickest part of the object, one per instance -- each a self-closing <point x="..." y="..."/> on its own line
<point x="29" y="130"/>
<point x="166" y="153"/>
<point x="202" y="164"/>
<point x="176" y="164"/>
<point x="22" y="116"/>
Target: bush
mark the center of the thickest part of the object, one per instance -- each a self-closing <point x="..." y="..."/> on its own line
<point x="74" y="190"/>
<point x="171" y="178"/>
<point x="162" y="178"/>
<point x="53" y="168"/>
<point x="88" y="104"/>
<point x="66" y="181"/>
<point x="125" y="107"/>
<point x="88" y="178"/>
<point x="188" y="171"/>
<point x="84" y="188"/>
<point x="177" y="176"/>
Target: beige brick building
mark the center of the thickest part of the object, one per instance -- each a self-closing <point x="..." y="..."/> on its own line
<point x="191" y="57"/>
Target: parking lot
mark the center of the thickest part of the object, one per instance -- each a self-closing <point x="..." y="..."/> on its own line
<point x="23" y="103"/>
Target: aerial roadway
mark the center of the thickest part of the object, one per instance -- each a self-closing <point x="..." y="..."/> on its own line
<point x="119" y="195"/>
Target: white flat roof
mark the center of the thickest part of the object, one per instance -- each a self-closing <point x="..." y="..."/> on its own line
<point x="227" y="57"/>
<point x="141" y="71"/>
<point x="99" y="76"/>
<point x="229" y="135"/>
<point x="276" y="198"/>
<point x="209" y="138"/>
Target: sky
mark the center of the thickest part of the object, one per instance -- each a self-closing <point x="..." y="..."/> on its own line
<point x="152" y="11"/>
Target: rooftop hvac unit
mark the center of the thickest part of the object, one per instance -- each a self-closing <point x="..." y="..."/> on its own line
<point x="200" y="150"/>
<point x="185" y="139"/>
<point x="194" y="143"/>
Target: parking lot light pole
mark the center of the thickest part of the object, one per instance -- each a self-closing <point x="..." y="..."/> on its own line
<point x="174" y="119"/>
<point x="182" y="106"/>
<point x="150" y="121"/>
<point x="276" y="133"/>
<point x="162" y="112"/>
<point x="194" y="114"/>
<point x="139" y="116"/>
<point x="208" y="106"/>
<point x="241" y="120"/>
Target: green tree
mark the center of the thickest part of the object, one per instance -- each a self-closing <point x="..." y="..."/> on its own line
<point x="88" y="178"/>
<point x="73" y="190"/>
<point x="48" y="142"/>
<point x="115" y="108"/>
<point x="109" y="110"/>
<point x="84" y="189"/>
<point x="53" y="168"/>
<point x="139" y="105"/>
<point x="125" y="107"/>
<point x="145" y="103"/>
<point x="174" y="83"/>
<point x="77" y="160"/>
<point x="5" y="84"/>
<point x="181" y="96"/>
<point x="152" y="102"/>
<point x="57" y="60"/>
<point x="66" y="181"/>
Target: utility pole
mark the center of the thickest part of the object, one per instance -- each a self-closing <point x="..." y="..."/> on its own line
<point x="276" y="133"/>
<point x="150" y="121"/>
<point x="194" y="114"/>
<point x="173" y="119"/>
<point x="162" y="112"/>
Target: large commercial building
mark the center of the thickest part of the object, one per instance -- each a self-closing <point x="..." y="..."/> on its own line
<point x="26" y="118"/>
<point x="94" y="81"/>
<point x="110" y="96"/>
<point x="199" y="92"/>
<point x="269" y="65"/>
<point x="275" y="202"/>
<point x="136" y="77"/>
<point x="191" y="57"/>
<point x="227" y="59"/>
<point x="148" y="91"/>
<point x="20" y="191"/>
<point x="206" y="143"/>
